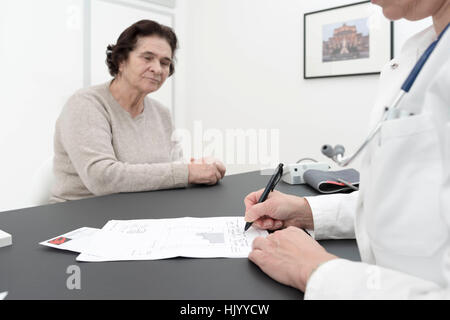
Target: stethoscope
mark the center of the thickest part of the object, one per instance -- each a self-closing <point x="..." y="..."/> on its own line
<point x="393" y="112"/>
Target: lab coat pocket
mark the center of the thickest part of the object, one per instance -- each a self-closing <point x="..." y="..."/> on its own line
<point x="403" y="207"/>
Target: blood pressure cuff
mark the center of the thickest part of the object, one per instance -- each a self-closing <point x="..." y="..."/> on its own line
<point x="332" y="181"/>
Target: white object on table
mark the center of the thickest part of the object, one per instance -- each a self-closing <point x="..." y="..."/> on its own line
<point x="5" y="239"/>
<point x="76" y="240"/>
<point x="153" y="239"/>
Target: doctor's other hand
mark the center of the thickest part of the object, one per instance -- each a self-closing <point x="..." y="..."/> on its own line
<point x="289" y="256"/>
<point x="278" y="211"/>
<point x="205" y="171"/>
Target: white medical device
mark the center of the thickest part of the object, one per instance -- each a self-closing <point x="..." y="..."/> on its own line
<point x="5" y="239"/>
<point x="293" y="173"/>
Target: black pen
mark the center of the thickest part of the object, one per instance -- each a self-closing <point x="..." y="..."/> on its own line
<point x="269" y="188"/>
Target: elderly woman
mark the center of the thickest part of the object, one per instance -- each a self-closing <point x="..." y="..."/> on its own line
<point x="113" y="138"/>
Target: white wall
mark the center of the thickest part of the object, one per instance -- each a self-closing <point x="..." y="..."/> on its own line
<point x="245" y="70"/>
<point x="40" y="46"/>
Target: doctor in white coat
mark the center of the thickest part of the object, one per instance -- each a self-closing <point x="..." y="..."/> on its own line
<point x="401" y="215"/>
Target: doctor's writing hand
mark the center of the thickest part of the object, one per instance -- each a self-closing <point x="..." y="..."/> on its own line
<point x="278" y="211"/>
<point x="289" y="256"/>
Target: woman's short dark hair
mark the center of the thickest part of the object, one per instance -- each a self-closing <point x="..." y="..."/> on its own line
<point x="116" y="54"/>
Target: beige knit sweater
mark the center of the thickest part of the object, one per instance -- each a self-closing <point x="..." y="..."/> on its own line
<point x="100" y="149"/>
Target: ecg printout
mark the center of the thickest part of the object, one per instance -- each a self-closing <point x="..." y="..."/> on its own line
<point x="152" y="239"/>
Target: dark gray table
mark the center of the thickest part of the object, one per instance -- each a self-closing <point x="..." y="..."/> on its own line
<point x="31" y="271"/>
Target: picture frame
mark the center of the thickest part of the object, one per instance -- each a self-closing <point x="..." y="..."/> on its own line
<point x="349" y="40"/>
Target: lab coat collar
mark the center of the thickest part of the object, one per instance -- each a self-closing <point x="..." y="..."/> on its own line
<point x="419" y="42"/>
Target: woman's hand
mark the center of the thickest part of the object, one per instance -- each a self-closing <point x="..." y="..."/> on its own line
<point x="278" y="211"/>
<point x="289" y="256"/>
<point x="206" y="171"/>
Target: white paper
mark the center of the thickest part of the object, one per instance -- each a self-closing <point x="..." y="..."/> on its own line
<point x="153" y="239"/>
<point x="76" y="240"/>
<point x="3" y="295"/>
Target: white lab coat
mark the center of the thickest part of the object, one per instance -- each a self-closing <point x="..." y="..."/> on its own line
<point x="401" y="215"/>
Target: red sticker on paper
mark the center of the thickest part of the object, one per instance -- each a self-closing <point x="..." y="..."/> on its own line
<point x="59" y="240"/>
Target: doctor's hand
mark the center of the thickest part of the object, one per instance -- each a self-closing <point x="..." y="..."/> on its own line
<point x="289" y="256"/>
<point x="278" y="211"/>
<point x="205" y="171"/>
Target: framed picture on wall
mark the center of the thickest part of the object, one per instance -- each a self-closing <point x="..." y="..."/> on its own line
<point x="354" y="39"/>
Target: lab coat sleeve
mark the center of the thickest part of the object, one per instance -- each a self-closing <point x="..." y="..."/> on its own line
<point x="334" y="215"/>
<point x="344" y="279"/>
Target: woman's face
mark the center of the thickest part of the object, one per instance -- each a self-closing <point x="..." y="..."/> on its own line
<point x="409" y="9"/>
<point x="148" y="65"/>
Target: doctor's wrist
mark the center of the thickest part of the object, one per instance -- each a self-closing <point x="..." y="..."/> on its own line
<point x="303" y="214"/>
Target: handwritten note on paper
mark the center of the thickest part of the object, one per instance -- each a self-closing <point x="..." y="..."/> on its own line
<point x="153" y="239"/>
